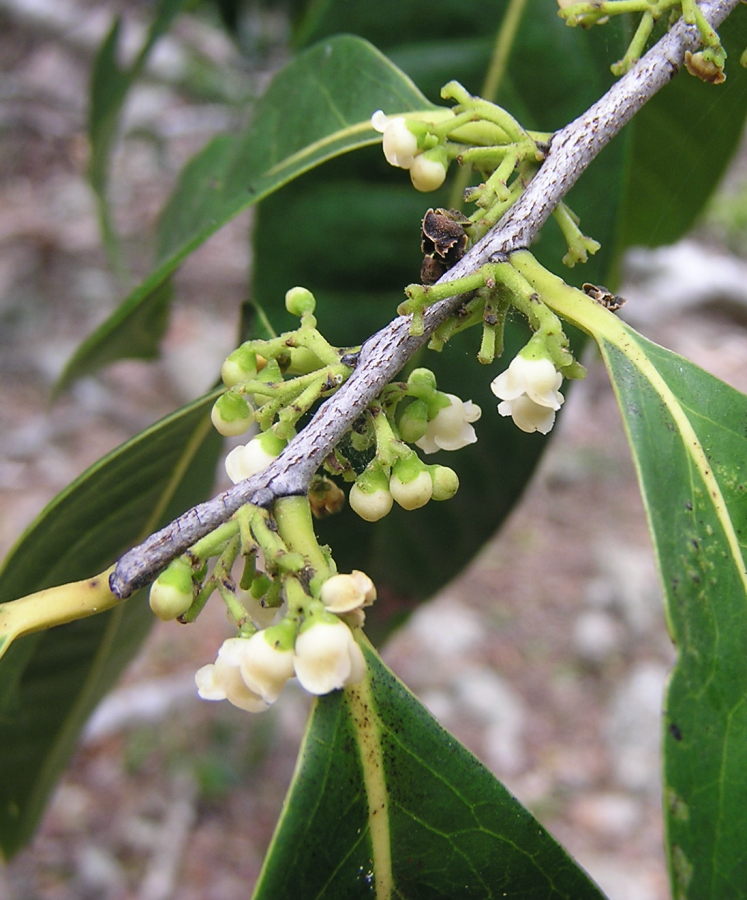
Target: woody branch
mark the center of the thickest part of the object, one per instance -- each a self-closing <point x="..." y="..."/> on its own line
<point x="383" y="355"/>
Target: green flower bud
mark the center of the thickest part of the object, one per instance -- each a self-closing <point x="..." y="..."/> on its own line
<point x="231" y="414"/>
<point x="299" y="300"/>
<point x="171" y="593"/>
<point x="422" y="380"/>
<point x="413" y="422"/>
<point x="240" y="366"/>
<point x="445" y="482"/>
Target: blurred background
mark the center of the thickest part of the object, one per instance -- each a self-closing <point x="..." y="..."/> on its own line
<point x="547" y="658"/>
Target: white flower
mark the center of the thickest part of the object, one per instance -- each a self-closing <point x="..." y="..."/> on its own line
<point x="344" y="593"/>
<point x="264" y="667"/>
<point x="528" y="415"/>
<point x="530" y="395"/>
<point x="451" y="428"/>
<point x="327" y="658"/>
<point x="247" y="460"/>
<point x="222" y="679"/>
<point x="400" y="144"/>
<point x="537" y="378"/>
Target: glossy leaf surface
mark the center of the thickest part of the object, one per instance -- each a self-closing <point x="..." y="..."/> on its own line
<point x="689" y="442"/>
<point x="355" y="242"/>
<point x="374" y="216"/>
<point x="50" y="682"/>
<point x="316" y="108"/>
<point x="688" y="438"/>
<point x="385" y="803"/>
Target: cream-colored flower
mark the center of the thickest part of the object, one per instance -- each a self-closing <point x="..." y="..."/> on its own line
<point x="530" y="395"/>
<point x="222" y="679"/>
<point x="327" y="658"/>
<point x="451" y="428"/>
<point x="399" y="143"/>
<point x="344" y="593"/>
<point x="528" y="415"/>
<point x="247" y="460"/>
<point x="537" y="378"/>
<point x="264" y="667"/>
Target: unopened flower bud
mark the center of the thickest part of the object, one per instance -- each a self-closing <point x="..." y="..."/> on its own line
<point x="240" y="366"/>
<point x="171" y="593"/>
<point x="369" y="496"/>
<point x="445" y="482"/>
<point x="422" y="380"/>
<point x="410" y="484"/>
<point x="428" y="170"/>
<point x="249" y="459"/>
<point x="413" y="423"/>
<point x="231" y="414"/>
<point x="299" y="300"/>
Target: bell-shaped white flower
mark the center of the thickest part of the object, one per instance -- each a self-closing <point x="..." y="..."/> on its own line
<point x="451" y="428"/>
<point x="537" y="378"/>
<point x="344" y="593"/>
<point x="528" y="415"/>
<point x="399" y="143"/>
<point x="327" y="657"/>
<point x="248" y="459"/>
<point x="265" y="666"/>
<point x="222" y="679"/>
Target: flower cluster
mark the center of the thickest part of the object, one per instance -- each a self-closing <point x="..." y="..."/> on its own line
<point x="440" y="422"/>
<point x="529" y="393"/>
<point x="405" y="147"/>
<point x="250" y="672"/>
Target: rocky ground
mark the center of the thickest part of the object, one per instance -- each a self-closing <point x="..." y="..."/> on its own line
<point x="547" y="658"/>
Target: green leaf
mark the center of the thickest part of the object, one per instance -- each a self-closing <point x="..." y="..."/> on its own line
<point x="385" y="803"/>
<point x="110" y="85"/>
<point x="316" y="108"/>
<point x="355" y="242"/>
<point x="687" y="432"/>
<point x="50" y="682"/>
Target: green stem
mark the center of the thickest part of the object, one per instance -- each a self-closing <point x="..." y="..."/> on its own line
<point x="296" y="529"/>
<point x="504" y="42"/>
<point x="635" y="49"/>
<point x="386" y="440"/>
<point x="215" y="542"/>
